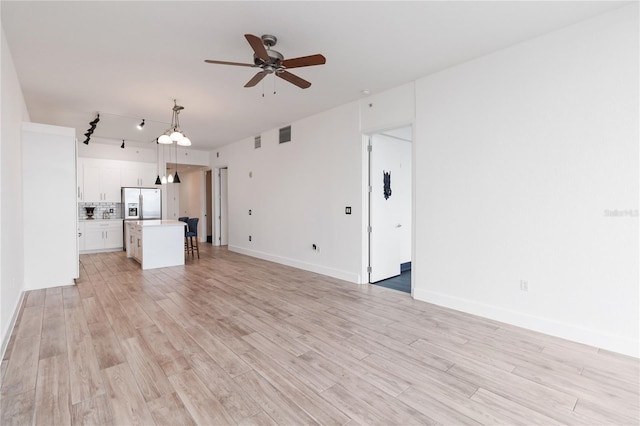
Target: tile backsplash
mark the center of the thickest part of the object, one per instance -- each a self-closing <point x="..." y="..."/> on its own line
<point x="100" y="209"/>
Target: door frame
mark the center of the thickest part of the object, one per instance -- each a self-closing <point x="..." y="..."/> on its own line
<point x="366" y="199"/>
<point x="217" y="229"/>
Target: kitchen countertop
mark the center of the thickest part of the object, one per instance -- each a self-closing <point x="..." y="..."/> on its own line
<point x="101" y="220"/>
<point x="149" y="223"/>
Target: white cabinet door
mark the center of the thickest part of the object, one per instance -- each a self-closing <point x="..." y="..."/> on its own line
<point x="110" y="179"/>
<point x="147" y="174"/>
<point x="101" y="183"/>
<point x="129" y="176"/>
<point x="113" y="237"/>
<point x="93" y="237"/>
<point x="92" y="186"/>
<point x="102" y="235"/>
<point x="138" y="174"/>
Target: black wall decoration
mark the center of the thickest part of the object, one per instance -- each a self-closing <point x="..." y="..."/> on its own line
<point x="386" y="177"/>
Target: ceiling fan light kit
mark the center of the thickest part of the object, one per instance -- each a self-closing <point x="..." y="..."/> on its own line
<point x="273" y="62"/>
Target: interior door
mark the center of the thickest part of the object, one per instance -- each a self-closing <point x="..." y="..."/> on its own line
<point x="224" y="208"/>
<point x="384" y="211"/>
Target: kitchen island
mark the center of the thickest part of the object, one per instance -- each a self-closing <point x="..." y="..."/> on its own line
<point x="155" y="243"/>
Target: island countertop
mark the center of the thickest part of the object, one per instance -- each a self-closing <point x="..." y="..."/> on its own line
<point x="146" y="223"/>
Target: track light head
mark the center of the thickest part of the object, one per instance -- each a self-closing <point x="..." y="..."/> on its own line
<point x="122" y="146"/>
<point x="141" y="125"/>
<point x="86" y="141"/>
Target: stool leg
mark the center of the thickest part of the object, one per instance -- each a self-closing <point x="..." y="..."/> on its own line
<point x="197" y="247"/>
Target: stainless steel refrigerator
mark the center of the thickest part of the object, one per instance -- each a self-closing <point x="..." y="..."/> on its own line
<point x="141" y="204"/>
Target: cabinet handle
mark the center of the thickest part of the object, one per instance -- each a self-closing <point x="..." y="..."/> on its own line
<point x="138" y="243"/>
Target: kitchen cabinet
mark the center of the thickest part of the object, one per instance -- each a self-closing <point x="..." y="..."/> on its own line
<point x="103" y="235"/>
<point x="135" y="174"/>
<point x="156" y="243"/>
<point x="101" y="183"/>
<point x="81" y="237"/>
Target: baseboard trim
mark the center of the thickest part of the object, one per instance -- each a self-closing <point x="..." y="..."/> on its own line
<point x="619" y="344"/>
<point x="12" y="324"/>
<point x="334" y="273"/>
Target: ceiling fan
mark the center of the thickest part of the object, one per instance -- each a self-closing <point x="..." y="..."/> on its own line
<point x="272" y="62"/>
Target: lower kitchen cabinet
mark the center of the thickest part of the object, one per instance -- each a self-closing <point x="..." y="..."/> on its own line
<point x="102" y="235"/>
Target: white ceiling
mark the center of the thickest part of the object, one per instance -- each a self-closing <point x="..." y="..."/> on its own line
<point x="129" y="60"/>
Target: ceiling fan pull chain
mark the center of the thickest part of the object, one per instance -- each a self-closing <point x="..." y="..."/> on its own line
<point x="274" y="85"/>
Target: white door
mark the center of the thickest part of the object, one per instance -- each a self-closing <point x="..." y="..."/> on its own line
<point x="389" y="206"/>
<point x="224" y="223"/>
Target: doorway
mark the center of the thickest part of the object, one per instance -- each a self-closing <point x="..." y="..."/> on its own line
<point x="209" y="205"/>
<point x="390" y="208"/>
<point x="222" y="207"/>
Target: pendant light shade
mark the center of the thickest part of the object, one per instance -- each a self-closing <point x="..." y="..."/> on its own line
<point x="158" y="181"/>
<point x="185" y="141"/>
<point x="176" y="178"/>
<point x="164" y="139"/>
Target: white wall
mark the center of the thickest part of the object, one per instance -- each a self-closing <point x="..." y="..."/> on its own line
<point x="519" y="154"/>
<point x="13" y="112"/>
<point x="49" y="203"/>
<point x="191" y="203"/>
<point x="297" y="192"/>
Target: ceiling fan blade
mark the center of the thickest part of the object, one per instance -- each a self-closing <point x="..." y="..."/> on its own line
<point x="257" y="46"/>
<point x="211" y="61"/>
<point x="294" y="79"/>
<point x="304" y="61"/>
<point x="256" y="79"/>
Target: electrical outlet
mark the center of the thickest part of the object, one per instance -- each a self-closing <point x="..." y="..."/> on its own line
<point x="524" y="285"/>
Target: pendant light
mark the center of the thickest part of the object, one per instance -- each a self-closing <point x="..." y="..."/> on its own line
<point x="174" y="133"/>
<point x="158" y="181"/>
<point x="176" y="178"/>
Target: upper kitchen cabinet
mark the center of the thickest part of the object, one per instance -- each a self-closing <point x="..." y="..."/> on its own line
<point x="101" y="182"/>
<point x="134" y="174"/>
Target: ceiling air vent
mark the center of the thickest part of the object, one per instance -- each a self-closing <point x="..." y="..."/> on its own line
<point x="257" y="142"/>
<point x="285" y="134"/>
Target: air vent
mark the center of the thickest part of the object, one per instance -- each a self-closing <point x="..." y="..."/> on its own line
<point x="285" y="134"/>
<point x="257" y="142"/>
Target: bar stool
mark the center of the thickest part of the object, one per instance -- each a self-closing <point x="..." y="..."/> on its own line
<point x="192" y="232"/>
<point x="185" y="219"/>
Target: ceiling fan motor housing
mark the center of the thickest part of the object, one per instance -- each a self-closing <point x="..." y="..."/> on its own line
<point x="275" y="58"/>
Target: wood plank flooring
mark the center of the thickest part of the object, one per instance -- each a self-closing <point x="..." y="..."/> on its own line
<point x="229" y="339"/>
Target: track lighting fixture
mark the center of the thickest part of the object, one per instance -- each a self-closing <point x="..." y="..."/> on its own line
<point x="141" y="125"/>
<point x="122" y="146"/>
<point x="90" y="130"/>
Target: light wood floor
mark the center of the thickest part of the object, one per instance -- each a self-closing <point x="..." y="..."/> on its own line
<point x="229" y="339"/>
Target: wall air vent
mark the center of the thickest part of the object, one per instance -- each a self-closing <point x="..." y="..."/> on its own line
<point x="285" y="134"/>
<point x="257" y="142"/>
